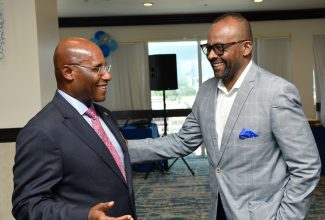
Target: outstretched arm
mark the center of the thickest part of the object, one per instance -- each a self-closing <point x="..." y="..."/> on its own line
<point x="187" y="140"/>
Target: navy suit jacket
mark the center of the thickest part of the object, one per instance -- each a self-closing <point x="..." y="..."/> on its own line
<point x="62" y="168"/>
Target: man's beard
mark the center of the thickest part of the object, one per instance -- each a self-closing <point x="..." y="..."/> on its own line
<point x="229" y="72"/>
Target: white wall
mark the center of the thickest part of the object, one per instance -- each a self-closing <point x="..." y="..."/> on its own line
<point x="7" y="153"/>
<point x="26" y="75"/>
<point x="300" y="31"/>
<point x="48" y="37"/>
<point x="31" y="32"/>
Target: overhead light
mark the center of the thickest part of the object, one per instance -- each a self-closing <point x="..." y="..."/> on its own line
<point x="258" y="1"/>
<point x="147" y="4"/>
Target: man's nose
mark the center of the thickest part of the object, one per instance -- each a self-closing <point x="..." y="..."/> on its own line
<point x="211" y="54"/>
<point x="107" y="76"/>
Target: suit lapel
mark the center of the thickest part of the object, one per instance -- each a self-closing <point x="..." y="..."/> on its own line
<point x="77" y="124"/>
<point x="106" y="116"/>
<point x="112" y="127"/>
<point x="211" y="118"/>
<point x="237" y="106"/>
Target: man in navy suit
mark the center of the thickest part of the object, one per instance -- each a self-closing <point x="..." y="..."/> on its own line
<point x="63" y="170"/>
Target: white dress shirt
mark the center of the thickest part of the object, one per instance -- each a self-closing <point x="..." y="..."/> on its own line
<point x="225" y="99"/>
<point x="82" y="108"/>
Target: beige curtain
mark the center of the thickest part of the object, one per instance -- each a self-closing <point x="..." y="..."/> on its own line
<point x="319" y="68"/>
<point x="273" y="54"/>
<point x="129" y="88"/>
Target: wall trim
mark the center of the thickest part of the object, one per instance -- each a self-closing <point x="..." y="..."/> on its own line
<point x="186" y="18"/>
<point x="9" y="134"/>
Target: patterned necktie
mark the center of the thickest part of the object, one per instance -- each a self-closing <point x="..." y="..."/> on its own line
<point x="101" y="133"/>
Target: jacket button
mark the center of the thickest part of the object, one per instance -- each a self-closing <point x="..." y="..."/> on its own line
<point x="218" y="170"/>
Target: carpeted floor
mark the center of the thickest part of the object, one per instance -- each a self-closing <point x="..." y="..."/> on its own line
<point x="178" y="195"/>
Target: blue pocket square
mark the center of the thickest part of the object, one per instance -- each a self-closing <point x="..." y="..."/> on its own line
<point x="246" y="133"/>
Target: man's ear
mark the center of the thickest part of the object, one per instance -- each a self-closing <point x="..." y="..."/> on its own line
<point x="67" y="72"/>
<point x="248" y="47"/>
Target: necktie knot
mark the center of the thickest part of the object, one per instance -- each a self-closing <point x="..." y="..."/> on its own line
<point x="91" y="113"/>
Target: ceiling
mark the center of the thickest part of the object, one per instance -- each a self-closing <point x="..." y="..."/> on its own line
<point x="93" y="8"/>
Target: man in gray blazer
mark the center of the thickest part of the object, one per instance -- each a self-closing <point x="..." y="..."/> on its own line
<point x="263" y="160"/>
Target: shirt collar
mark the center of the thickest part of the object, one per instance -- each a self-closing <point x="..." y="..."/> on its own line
<point x="79" y="106"/>
<point x="238" y="83"/>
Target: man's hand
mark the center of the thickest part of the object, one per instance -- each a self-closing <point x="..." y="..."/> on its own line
<point x="98" y="212"/>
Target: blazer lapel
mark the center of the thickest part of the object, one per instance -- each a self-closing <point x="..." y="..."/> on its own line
<point x="212" y="119"/>
<point x="76" y="123"/>
<point x="237" y="106"/>
<point x="106" y="116"/>
<point x="113" y="128"/>
<point x="109" y="121"/>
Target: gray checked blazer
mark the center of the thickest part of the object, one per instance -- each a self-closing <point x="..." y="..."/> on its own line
<point x="267" y="177"/>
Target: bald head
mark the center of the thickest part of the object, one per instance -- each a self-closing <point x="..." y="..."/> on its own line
<point x="229" y="47"/>
<point x="232" y="27"/>
<point x="238" y="23"/>
<point x="73" y="50"/>
<point x="79" y="69"/>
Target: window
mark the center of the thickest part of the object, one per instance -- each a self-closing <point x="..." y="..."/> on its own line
<point x="187" y="74"/>
<point x="190" y="74"/>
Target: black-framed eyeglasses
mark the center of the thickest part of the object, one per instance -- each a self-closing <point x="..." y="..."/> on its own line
<point x="218" y="49"/>
<point x="97" y="69"/>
